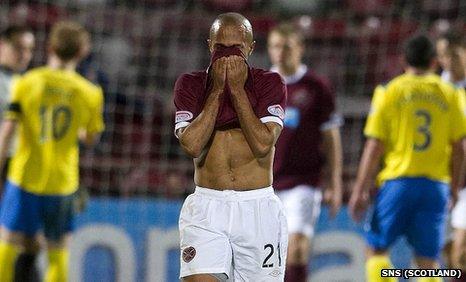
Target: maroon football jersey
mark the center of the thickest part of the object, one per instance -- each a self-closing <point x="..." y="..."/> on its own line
<point x="310" y="110"/>
<point x="265" y="89"/>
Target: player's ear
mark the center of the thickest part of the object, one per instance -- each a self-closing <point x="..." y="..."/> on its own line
<point x="403" y="62"/>
<point x="251" y="48"/>
<point x="434" y="64"/>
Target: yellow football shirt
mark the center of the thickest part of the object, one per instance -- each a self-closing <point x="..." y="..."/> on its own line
<point x="417" y="118"/>
<point x="51" y="106"/>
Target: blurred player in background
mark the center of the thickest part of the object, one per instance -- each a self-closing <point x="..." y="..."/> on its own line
<point x="16" y="50"/>
<point x="310" y="137"/>
<point x="451" y="49"/>
<point x="228" y="119"/>
<point x="53" y="107"/>
<point x="417" y="124"/>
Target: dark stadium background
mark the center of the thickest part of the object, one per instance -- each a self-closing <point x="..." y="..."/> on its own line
<point x="138" y="175"/>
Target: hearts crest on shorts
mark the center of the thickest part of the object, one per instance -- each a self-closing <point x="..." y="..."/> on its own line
<point x="188" y="254"/>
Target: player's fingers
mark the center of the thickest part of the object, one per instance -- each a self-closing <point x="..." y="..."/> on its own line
<point x="217" y="65"/>
<point x="357" y="214"/>
<point x="336" y="207"/>
<point x="355" y="209"/>
<point x="351" y="208"/>
<point x="224" y="67"/>
<point x="227" y="62"/>
<point x="223" y="63"/>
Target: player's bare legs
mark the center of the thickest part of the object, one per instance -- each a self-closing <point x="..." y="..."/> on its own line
<point x="299" y="246"/>
<point x="26" y="270"/>
<point x="14" y="244"/>
<point x="426" y="263"/>
<point x="458" y="250"/>
<point x="298" y="249"/>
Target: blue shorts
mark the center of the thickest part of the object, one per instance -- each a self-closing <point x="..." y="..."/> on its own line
<point x="28" y="213"/>
<point x="411" y="207"/>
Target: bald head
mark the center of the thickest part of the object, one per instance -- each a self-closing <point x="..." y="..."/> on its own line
<point x="232" y="29"/>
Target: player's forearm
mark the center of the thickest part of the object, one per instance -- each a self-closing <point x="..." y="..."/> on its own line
<point x="334" y="154"/>
<point x="88" y="138"/>
<point x="373" y="151"/>
<point x="260" y="139"/>
<point x="458" y="165"/>
<point x="195" y="136"/>
<point x="7" y="132"/>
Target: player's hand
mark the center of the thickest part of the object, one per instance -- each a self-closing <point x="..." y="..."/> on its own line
<point x="453" y="198"/>
<point x="81" y="198"/>
<point x="219" y="73"/>
<point x="333" y="198"/>
<point x="358" y="204"/>
<point x="237" y="72"/>
<point x="456" y="63"/>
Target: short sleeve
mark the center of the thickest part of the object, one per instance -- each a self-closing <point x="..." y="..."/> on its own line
<point x="272" y="101"/>
<point x="375" y="125"/>
<point x="458" y="119"/>
<point x="13" y="109"/>
<point x="328" y="117"/>
<point x="185" y="102"/>
<point x="96" y="122"/>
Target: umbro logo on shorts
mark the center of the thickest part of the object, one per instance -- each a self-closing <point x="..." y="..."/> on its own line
<point x="275" y="273"/>
<point x="188" y="254"/>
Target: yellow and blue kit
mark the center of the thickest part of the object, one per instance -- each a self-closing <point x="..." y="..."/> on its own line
<point x="417" y="118"/>
<point x="51" y="106"/>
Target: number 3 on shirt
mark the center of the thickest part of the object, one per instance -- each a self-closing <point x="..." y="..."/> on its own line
<point x="60" y="116"/>
<point x="424" y="129"/>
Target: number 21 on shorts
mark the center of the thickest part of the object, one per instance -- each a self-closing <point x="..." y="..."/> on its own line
<point x="269" y="254"/>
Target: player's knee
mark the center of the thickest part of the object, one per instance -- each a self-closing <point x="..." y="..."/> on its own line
<point x="426" y="263"/>
<point x="458" y="250"/>
<point x="298" y="249"/>
<point x="461" y="260"/>
<point x="12" y="237"/>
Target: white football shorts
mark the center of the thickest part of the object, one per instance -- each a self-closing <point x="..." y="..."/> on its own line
<point x="241" y="234"/>
<point x="302" y="208"/>
<point x="458" y="215"/>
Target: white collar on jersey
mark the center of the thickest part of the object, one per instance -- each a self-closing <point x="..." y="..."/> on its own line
<point x="446" y="75"/>
<point x="290" y="79"/>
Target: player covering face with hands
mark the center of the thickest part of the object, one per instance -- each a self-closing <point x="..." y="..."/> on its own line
<point x="228" y="119"/>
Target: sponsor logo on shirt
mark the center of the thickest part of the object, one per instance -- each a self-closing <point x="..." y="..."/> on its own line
<point x="183" y="116"/>
<point x="277" y="110"/>
<point x="188" y="254"/>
